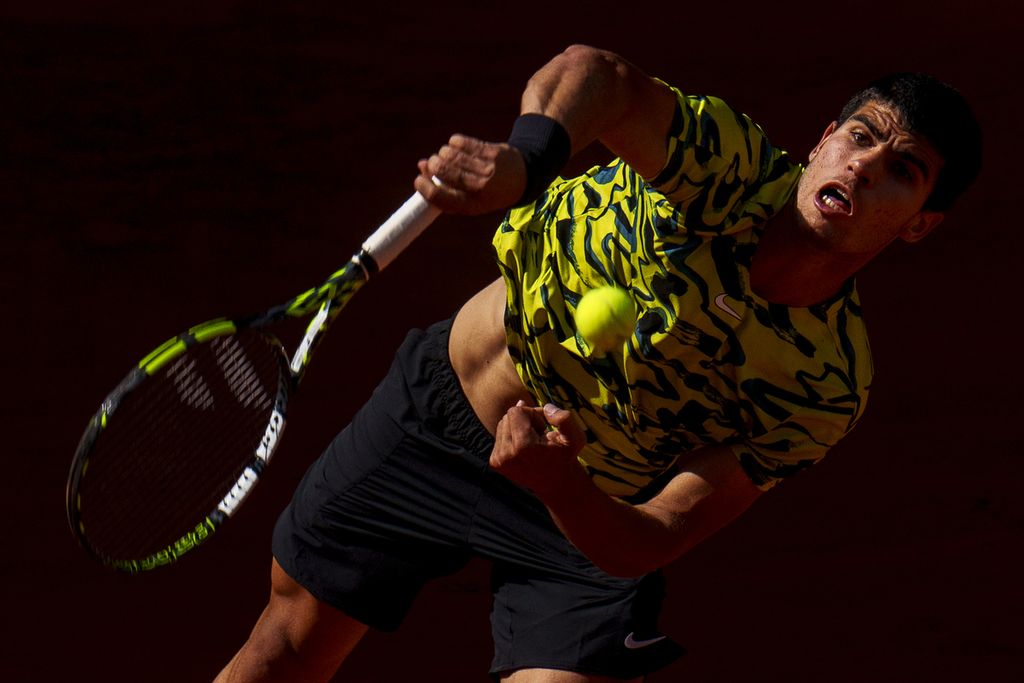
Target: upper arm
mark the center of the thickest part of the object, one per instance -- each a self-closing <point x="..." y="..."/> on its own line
<point x="708" y="492"/>
<point x="640" y="136"/>
<point x="598" y="95"/>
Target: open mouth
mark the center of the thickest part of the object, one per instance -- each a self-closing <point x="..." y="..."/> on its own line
<point x="835" y="198"/>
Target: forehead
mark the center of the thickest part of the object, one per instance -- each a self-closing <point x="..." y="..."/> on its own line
<point x="891" y="126"/>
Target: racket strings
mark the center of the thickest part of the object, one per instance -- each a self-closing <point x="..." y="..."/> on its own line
<point x="177" y="444"/>
<point x="192" y="389"/>
<point x="240" y="374"/>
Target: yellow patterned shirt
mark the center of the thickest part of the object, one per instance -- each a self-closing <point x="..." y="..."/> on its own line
<point x="709" y="362"/>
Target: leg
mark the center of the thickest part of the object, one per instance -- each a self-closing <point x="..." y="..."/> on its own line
<point x="384" y="509"/>
<point x="297" y="638"/>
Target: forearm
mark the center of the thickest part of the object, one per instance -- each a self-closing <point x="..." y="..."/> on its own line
<point x="621" y="539"/>
<point x="586" y="90"/>
<point x="594" y="95"/>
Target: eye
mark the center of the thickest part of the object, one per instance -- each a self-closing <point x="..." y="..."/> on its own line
<point x="903" y="172"/>
<point x="860" y="137"/>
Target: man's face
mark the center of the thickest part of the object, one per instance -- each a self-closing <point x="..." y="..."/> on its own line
<point x="866" y="183"/>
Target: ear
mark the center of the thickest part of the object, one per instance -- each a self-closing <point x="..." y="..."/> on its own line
<point x="825" y="136"/>
<point x="921" y="225"/>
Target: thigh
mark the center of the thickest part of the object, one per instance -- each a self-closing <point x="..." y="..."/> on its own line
<point x="388" y="505"/>
<point x="296" y="638"/>
<point x="365" y="537"/>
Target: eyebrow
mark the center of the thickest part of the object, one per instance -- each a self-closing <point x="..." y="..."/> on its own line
<point x="906" y="156"/>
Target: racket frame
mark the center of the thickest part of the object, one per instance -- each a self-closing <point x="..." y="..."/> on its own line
<point x="327" y="299"/>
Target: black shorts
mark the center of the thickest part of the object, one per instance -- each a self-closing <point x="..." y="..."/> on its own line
<point x="404" y="495"/>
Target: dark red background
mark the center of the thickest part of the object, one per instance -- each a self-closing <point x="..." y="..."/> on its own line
<point x="162" y="164"/>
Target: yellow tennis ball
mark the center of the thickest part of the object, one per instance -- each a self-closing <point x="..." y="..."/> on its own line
<point x="605" y="318"/>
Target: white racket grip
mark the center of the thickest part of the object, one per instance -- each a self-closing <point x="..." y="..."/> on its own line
<point x="398" y="231"/>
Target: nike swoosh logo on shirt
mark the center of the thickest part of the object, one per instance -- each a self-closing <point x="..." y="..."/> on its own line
<point x="725" y="307"/>
<point x="634" y="644"/>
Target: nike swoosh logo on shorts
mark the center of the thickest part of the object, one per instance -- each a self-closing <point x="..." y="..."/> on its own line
<point x="634" y="644"/>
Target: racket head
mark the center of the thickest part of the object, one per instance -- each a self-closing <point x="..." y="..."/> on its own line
<point x="176" y="447"/>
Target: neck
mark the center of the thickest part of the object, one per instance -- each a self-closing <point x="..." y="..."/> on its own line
<point x="788" y="268"/>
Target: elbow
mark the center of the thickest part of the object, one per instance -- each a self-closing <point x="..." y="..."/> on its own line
<point x="581" y="52"/>
<point x="636" y="562"/>
<point x="589" y="59"/>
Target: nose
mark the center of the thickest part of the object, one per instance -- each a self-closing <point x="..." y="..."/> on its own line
<point x="866" y="164"/>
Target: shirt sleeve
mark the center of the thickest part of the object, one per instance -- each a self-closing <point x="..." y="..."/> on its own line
<point x="717" y="159"/>
<point x="777" y="456"/>
<point x="800" y="439"/>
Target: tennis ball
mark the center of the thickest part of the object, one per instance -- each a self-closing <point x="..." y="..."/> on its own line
<point x="605" y="318"/>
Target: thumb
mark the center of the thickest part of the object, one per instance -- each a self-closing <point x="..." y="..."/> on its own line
<point x="568" y="428"/>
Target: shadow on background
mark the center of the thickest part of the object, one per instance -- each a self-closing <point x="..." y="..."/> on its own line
<point x="162" y="165"/>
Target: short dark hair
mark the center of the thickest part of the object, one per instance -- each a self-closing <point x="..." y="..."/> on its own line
<point x="939" y="113"/>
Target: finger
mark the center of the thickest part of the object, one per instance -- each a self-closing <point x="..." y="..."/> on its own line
<point x="500" y="451"/>
<point x="569" y="430"/>
<point x="451" y="174"/>
<point x="513" y="435"/>
<point x="474" y="147"/>
<point x="533" y="415"/>
<point x="517" y="419"/>
<point x="467" y="142"/>
<point x="526" y="429"/>
<point x="444" y="197"/>
<point x="476" y="169"/>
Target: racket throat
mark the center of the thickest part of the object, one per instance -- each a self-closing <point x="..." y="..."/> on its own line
<point x="316" y="327"/>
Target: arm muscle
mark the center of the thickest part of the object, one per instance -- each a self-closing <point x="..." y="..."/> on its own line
<point x="597" y="95"/>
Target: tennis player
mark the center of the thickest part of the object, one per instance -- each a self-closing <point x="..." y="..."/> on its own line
<point x="498" y="434"/>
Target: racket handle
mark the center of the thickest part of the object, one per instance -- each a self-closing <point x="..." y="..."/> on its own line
<point x="397" y="232"/>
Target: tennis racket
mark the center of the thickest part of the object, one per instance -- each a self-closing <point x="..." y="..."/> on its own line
<point x="178" y="445"/>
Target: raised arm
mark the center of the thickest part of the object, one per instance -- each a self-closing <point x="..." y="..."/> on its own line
<point x="593" y="94"/>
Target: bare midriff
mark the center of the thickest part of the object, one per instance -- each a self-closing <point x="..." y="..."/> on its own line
<point x="480" y="357"/>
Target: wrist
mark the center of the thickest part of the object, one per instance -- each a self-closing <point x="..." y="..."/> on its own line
<point x="545" y="147"/>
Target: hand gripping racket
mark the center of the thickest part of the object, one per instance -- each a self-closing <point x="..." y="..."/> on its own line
<point x="176" y="447"/>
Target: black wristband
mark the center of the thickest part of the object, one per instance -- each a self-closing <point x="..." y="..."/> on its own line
<point x="546" y="149"/>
